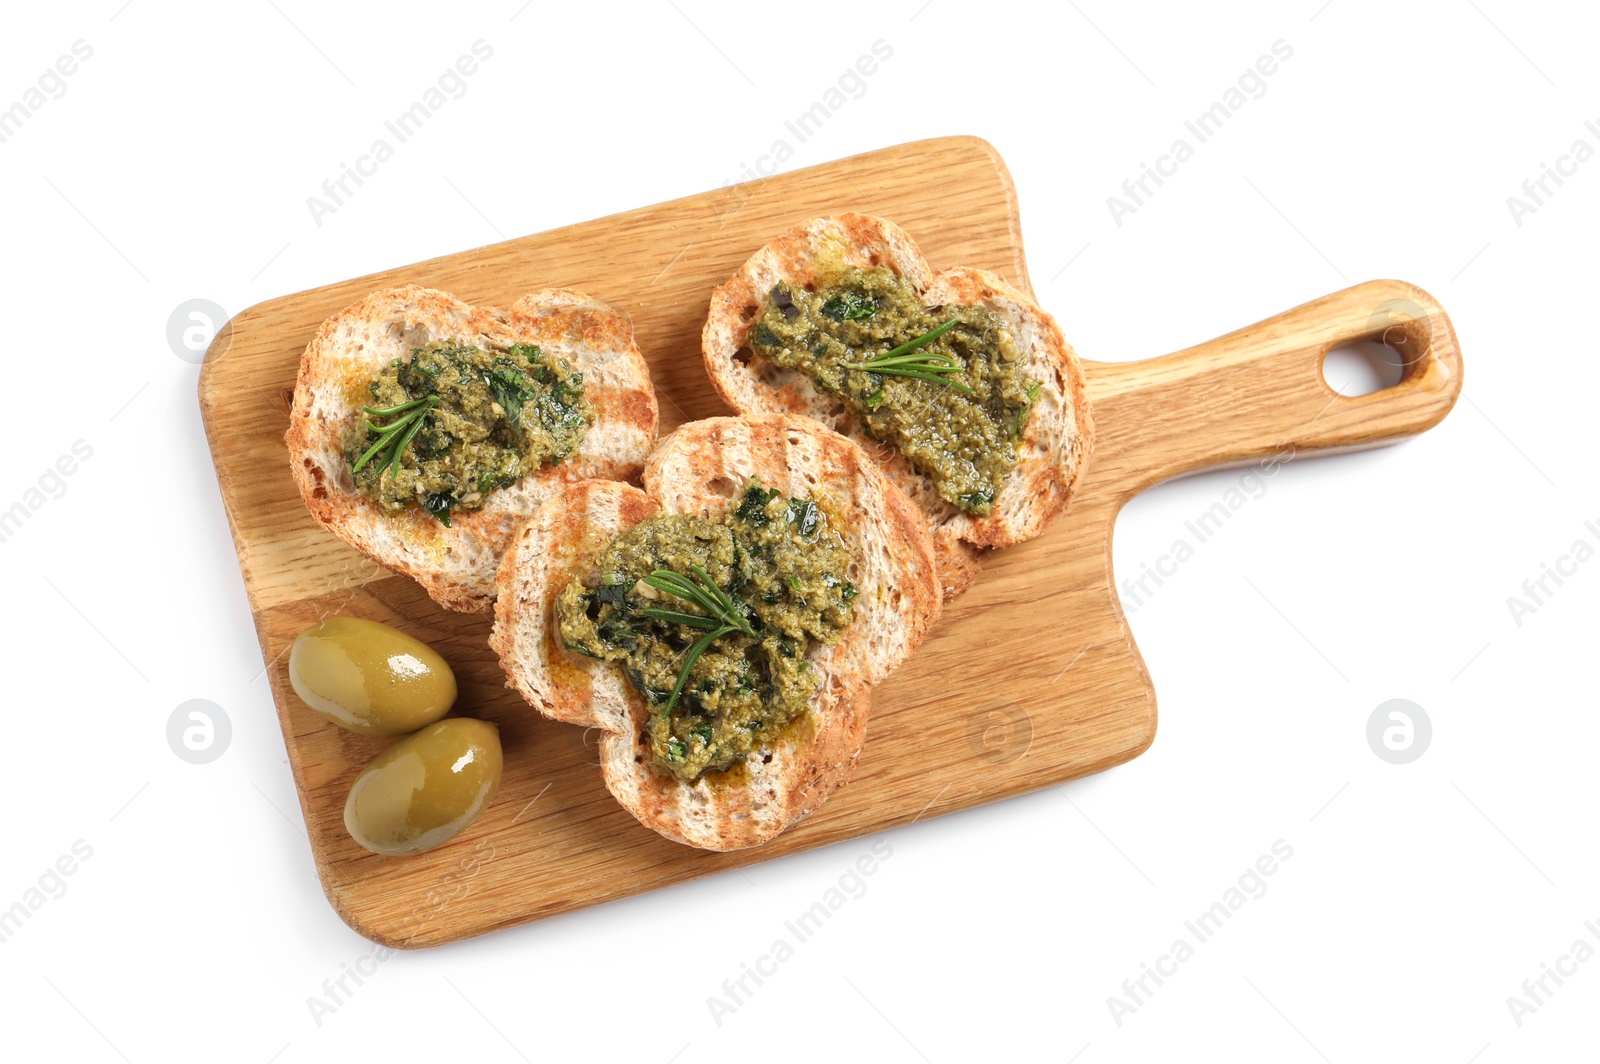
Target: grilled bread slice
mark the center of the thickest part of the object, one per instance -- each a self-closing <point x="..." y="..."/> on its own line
<point x="457" y="564"/>
<point x="703" y="468"/>
<point x="1056" y="437"/>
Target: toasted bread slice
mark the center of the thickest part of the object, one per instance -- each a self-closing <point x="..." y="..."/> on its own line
<point x="1056" y="438"/>
<point x="457" y="564"/>
<point x="703" y="468"/>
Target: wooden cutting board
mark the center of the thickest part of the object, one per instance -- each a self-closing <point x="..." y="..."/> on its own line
<point x="1077" y="697"/>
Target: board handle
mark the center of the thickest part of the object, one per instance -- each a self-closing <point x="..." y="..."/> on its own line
<point x="1259" y="393"/>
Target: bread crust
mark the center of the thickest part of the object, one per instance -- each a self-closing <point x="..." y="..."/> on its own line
<point x="702" y="468"/>
<point x="1056" y="440"/>
<point x="457" y="564"/>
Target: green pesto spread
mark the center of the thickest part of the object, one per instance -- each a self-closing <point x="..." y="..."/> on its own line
<point x="965" y="442"/>
<point x="782" y="564"/>
<point x="478" y="420"/>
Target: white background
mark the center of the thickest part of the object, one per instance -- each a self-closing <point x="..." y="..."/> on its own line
<point x="1419" y="897"/>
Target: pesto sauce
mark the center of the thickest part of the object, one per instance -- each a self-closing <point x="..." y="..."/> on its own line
<point x="783" y="564"/>
<point x="965" y="443"/>
<point x="501" y="414"/>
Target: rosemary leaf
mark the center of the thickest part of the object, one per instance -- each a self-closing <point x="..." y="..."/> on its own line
<point x="689" y="659"/>
<point x="922" y="341"/>
<point x="690" y="620"/>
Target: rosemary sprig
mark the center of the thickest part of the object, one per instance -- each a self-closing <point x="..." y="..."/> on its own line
<point x="907" y="361"/>
<point x="394" y="437"/>
<point x="698" y="589"/>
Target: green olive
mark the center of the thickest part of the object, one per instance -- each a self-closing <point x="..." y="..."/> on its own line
<point x="425" y="788"/>
<point x="370" y="678"/>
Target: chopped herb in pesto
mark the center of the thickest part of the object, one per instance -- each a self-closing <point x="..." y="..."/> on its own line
<point x="943" y="384"/>
<point x="453" y="423"/>
<point x="712" y="620"/>
<point x="753" y="505"/>
<point x="847" y="306"/>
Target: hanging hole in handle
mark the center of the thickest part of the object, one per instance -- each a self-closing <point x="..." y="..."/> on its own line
<point x="1361" y="367"/>
<point x="1392" y="347"/>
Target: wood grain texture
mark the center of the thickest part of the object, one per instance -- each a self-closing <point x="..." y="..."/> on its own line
<point x="1077" y="698"/>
